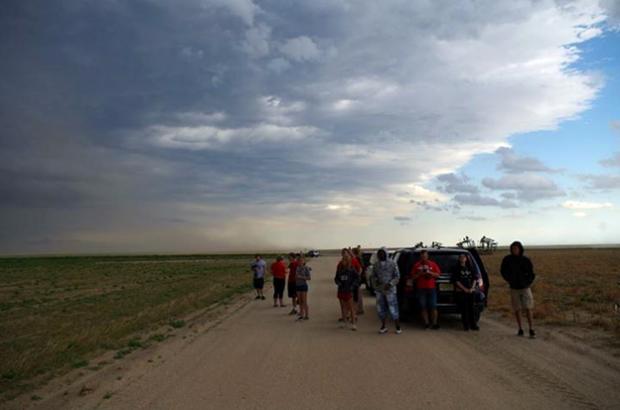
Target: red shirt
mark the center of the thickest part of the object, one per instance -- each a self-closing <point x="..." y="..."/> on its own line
<point x="292" y="269"/>
<point x="278" y="270"/>
<point x="424" y="282"/>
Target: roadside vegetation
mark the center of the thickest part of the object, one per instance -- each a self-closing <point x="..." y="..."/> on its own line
<point x="573" y="287"/>
<point x="58" y="313"/>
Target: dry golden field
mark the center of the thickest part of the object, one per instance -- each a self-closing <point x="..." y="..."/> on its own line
<point x="574" y="288"/>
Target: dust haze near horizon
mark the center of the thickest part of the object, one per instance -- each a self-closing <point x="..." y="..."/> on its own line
<point x="211" y="125"/>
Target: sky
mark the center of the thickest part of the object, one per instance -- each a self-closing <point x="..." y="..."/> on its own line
<point x="240" y="125"/>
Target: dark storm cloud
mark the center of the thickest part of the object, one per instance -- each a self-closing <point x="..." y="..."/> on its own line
<point x="121" y="118"/>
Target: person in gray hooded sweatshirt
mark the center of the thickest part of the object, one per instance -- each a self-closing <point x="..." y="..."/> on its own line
<point x="385" y="277"/>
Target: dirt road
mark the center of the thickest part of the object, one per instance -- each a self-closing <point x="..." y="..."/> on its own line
<point x="260" y="358"/>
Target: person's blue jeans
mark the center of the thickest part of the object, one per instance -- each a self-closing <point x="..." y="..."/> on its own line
<point x="387" y="302"/>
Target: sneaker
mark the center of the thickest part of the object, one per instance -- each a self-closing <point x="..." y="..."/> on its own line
<point x="299" y="319"/>
<point x="398" y="330"/>
<point x="341" y="325"/>
<point x="427" y="326"/>
<point x="282" y="305"/>
<point x="274" y="305"/>
<point x="292" y="312"/>
<point x="262" y="297"/>
<point x="306" y="318"/>
<point x="475" y="327"/>
<point x="532" y="334"/>
<point x="435" y="327"/>
<point x="353" y="327"/>
<point x="520" y="332"/>
<point x="383" y="330"/>
<point x="257" y="297"/>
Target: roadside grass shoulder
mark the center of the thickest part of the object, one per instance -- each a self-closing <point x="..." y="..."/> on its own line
<point x="57" y="313"/>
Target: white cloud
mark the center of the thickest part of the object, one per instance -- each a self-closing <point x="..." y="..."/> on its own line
<point x="480" y="200"/>
<point x="212" y="137"/>
<point x="514" y="163"/>
<point x="300" y="49"/>
<point x="602" y="182"/>
<point x="527" y="187"/>
<point x="586" y="205"/>
<point x="202" y="118"/>
<point x="580" y="214"/>
<point x="279" y="65"/>
<point x="246" y="10"/>
<point x="612" y="10"/>
<point x="344" y="104"/>
<point x="256" y="42"/>
<point x="614" y="161"/>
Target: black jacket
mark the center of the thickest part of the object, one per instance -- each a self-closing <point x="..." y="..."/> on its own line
<point x="347" y="279"/>
<point x="518" y="271"/>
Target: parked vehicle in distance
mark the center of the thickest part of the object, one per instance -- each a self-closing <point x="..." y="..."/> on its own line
<point x="313" y="253"/>
<point x="446" y="258"/>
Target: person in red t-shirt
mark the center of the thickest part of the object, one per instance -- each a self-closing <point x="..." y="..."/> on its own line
<point x="424" y="273"/>
<point x="278" y="270"/>
<point x="292" y="286"/>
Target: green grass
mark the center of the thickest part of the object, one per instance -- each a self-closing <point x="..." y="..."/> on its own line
<point x="57" y="313"/>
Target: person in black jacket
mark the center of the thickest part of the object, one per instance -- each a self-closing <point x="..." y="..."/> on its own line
<point x="347" y="278"/>
<point x="518" y="271"/>
<point x="465" y="278"/>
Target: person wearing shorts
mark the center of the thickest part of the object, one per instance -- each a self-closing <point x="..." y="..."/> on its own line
<point x="278" y="270"/>
<point x="302" y="276"/>
<point x="291" y="283"/>
<point x="518" y="271"/>
<point x="424" y="273"/>
<point x="347" y="278"/>
<point x="258" y="276"/>
<point x="385" y="276"/>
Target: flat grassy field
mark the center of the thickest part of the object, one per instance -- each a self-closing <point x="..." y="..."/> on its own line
<point x="58" y="313"/>
<point x="573" y="287"/>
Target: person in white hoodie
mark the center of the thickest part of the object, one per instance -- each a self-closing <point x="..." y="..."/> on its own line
<point x="385" y="276"/>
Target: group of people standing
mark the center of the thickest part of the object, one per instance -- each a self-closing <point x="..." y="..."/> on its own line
<point x="516" y="269"/>
<point x="296" y="283"/>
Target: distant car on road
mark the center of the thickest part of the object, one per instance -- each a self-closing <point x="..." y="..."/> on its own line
<point x="446" y="258"/>
<point x="313" y="253"/>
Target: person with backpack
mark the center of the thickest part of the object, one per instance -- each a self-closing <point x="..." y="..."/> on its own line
<point x="518" y="271"/>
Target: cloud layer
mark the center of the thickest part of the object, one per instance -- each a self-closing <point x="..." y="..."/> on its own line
<point x="216" y="123"/>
